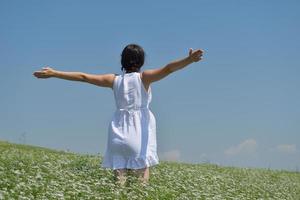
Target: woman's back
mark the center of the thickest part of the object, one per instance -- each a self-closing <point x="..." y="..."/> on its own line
<point x="130" y="92"/>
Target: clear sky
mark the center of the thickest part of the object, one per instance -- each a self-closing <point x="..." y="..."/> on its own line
<point x="240" y="106"/>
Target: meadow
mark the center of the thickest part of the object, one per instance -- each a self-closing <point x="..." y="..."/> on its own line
<point x="32" y="172"/>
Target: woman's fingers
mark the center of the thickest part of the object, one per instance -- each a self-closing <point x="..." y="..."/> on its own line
<point x="196" y="55"/>
<point x="44" y="73"/>
<point x="199" y="51"/>
<point x="40" y="74"/>
<point x="37" y="74"/>
<point x="190" y="51"/>
<point x="196" y="52"/>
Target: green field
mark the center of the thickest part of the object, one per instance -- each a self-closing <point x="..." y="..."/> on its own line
<point x="29" y="172"/>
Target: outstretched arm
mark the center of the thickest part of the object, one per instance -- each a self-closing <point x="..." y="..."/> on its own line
<point x="153" y="75"/>
<point x="103" y="80"/>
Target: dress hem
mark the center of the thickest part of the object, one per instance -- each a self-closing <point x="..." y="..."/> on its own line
<point x="119" y="162"/>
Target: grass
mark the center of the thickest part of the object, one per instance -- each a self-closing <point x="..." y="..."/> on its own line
<point x="30" y="172"/>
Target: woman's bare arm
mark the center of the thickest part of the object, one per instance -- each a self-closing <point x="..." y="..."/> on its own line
<point x="103" y="80"/>
<point x="153" y="75"/>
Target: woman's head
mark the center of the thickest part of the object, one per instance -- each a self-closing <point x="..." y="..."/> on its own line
<point x="132" y="58"/>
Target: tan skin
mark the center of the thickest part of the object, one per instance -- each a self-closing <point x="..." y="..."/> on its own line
<point x="106" y="80"/>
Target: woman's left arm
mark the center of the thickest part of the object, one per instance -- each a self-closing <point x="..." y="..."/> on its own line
<point x="103" y="80"/>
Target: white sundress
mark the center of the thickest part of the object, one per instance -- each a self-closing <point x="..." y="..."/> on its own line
<point x="131" y="142"/>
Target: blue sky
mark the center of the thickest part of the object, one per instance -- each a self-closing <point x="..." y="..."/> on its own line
<point x="240" y="106"/>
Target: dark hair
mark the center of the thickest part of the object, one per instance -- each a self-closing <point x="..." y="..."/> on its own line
<point x="132" y="58"/>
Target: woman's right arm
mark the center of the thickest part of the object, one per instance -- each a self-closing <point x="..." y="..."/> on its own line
<point x="102" y="80"/>
<point x="153" y="75"/>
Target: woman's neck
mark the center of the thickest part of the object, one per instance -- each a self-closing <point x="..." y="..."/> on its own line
<point x="127" y="72"/>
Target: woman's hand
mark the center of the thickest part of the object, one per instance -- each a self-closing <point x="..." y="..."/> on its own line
<point x="196" y="55"/>
<point x="46" y="72"/>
